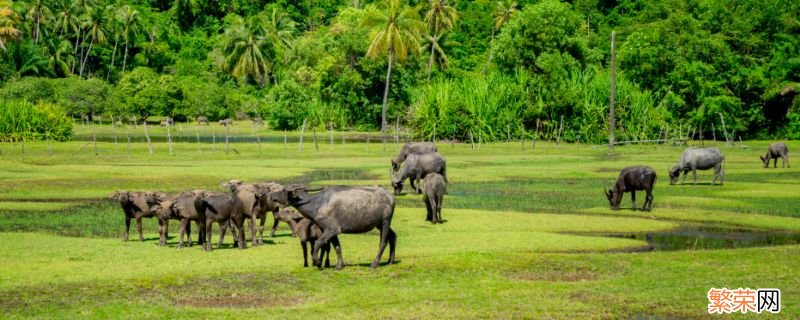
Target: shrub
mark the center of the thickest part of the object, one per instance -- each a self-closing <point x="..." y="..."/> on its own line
<point x="22" y="120"/>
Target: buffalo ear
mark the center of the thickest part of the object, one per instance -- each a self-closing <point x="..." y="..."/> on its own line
<point x="762" y="158"/>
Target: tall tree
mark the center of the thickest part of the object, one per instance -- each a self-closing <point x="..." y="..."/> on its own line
<point x="38" y="13"/>
<point x="98" y="22"/>
<point x="440" y="18"/>
<point x="503" y="12"/>
<point x="131" y="22"/>
<point x="395" y="28"/>
<point x="60" y="58"/>
<point x="9" y="19"/>
<point x="247" y="50"/>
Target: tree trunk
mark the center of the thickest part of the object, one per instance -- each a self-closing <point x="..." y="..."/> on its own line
<point x="386" y="90"/>
<point x="38" y="30"/>
<point x="125" y="57"/>
<point x="491" y="52"/>
<point x="113" y="55"/>
<point x="75" y="51"/>
<point x="91" y="42"/>
<point x="430" y="60"/>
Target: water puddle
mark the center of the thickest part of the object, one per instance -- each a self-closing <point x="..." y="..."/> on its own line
<point x="705" y="237"/>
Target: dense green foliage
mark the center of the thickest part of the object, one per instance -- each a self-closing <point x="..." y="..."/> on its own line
<point x="21" y="120"/>
<point x="680" y="63"/>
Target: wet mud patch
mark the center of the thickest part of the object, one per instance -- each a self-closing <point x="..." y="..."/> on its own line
<point x="704" y="237"/>
<point x="330" y="175"/>
<point x="239" y="301"/>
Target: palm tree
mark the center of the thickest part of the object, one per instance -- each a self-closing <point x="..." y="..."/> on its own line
<point x="247" y="50"/>
<point x="440" y="18"/>
<point x="434" y="44"/>
<point x="66" y="18"/>
<point x="97" y="24"/>
<point x="395" y="28"/>
<point x="280" y="29"/>
<point x="38" y="12"/>
<point x="503" y="12"/>
<point x="130" y="28"/>
<point x="9" y="19"/>
<point x="60" y="57"/>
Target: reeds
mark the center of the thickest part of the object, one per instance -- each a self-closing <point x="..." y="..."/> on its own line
<point x="24" y="121"/>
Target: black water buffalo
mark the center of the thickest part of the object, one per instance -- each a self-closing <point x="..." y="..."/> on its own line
<point x="226" y="122"/>
<point x="698" y="158"/>
<point x="136" y="205"/>
<point x="416" y="167"/>
<point x="433" y="195"/>
<point x="221" y="208"/>
<point x="182" y="207"/>
<point x="307" y="231"/>
<point x="344" y="209"/>
<point x="630" y="180"/>
<point x="777" y="149"/>
<point x="202" y="120"/>
<point x="412" y="148"/>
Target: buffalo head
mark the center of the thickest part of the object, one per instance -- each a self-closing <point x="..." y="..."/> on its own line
<point x="614" y="198"/>
<point x="674" y="174"/>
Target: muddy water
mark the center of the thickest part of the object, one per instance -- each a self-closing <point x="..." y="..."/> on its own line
<point x="706" y="237"/>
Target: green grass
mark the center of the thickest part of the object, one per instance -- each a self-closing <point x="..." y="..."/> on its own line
<point x="510" y="247"/>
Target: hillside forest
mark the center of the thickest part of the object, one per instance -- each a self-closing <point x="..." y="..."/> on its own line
<point x="493" y="68"/>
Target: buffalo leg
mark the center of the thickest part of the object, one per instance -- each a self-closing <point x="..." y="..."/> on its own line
<point x="274" y="226"/>
<point x="326" y="251"/>
<point x="411" y="182"/>
<point x="633" y="198"/>
<point x="261" y="228"/>
<point x="181" y="232"/>
<point x="694" y="174"/>
<point x="685" y="173"/>
<point x="189" y="231"/>
<point x="439" y="210"/>
<point x="717" y="174"/>
<point x="326" y="236"/>
<point x="384" y="236"/>
<point x="139" y="228"/>
<point x="430" y="216"/>
<point x="775" y="163"/>
<point x="253" y="229"/>
<point x="162" y="232"/>
<point x="127" y="227"/>
<point x="223" y="227"/>
<point x="240" y="227"/>
<point x="392" y="238"/>
<point x="208" y="226"/>
<point x="305" y="254"/>
<point x="420" y="181"/>
<point x="338" y="248"/>
<point x="786" y="161"/>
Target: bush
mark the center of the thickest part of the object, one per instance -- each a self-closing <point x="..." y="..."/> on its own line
<point x="22" y="120"/>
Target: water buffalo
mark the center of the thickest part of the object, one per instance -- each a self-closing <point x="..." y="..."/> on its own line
<point x="631" y="179"/>
<point x="698" y="158"/>
<point x="166" y="122"/>
<point x="202" y="120"/>
<point x="257" y="120"/>
<point x="344" y="209"/>
<point x="412" y="148"/>
<point x="183" y="207"/>
<point x="226" y="122"/>
<point x="136" y="205"/>
<point x="220" y="208"/>
<point x="416" y="167"/>
<point x="256" y="204"/>
<point x="777" y="149"/>
<point x="307" y="231"/>
<point x="433" y="195"/>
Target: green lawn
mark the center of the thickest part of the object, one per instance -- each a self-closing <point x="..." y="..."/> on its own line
<point x="511" y="248"/>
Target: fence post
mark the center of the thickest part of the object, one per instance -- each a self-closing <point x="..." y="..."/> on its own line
<point x="522" y="134"/>
<point x="213" y="140"/>
<point x="314" y="132"/>
<point x="258" y="140"/>
<point x="147" y="135"/>
<point x="367" y="147"/>
<point x="285" y="142"/>
<point x="724" y="129"/>
<point x="508" y="133"/>
<point x="227" y="136"/>
<point x="49" y="147"/>
<point x="199" y="148"/>
<point x="94" y="140"/>
<point x="535" y="135"/>
<point x="471" y="140"/>
<point x="23" y="149"/>
<point x="561" y="128"/>
<point x="713" y="132"/>
<point x="611" y="121"/>
<point x="397" y="133"/>
<point x="434" y="132"/>
<point x="169" y="138"/>
<point x="302" y="132"/>
<point x="128" y="136"/>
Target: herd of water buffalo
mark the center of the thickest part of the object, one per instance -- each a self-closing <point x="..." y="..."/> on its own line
<point x="638" y="178"/>
<point x="318" y="216"/>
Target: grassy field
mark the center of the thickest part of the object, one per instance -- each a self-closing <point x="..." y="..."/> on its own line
<point x="521" y="238"/>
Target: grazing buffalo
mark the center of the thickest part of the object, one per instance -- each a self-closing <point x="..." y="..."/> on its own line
<point x="416" y="167"/>
<point x="257" y="120"/>
<point x="412" y="148"/>
<point x="631" y="179"/>
<point x="166" y="122"/>
<point x="777" y="149"/>
<point x="226" y="122"/>
<point x="221" y="208"/>
<point x="698" y="158"/>
<point x="344" y="209"/>
<point x="202" y="120"/>
<point x="136" y="205"/>
<point x="433" y="195"/>
<point x="307" y="231"/>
